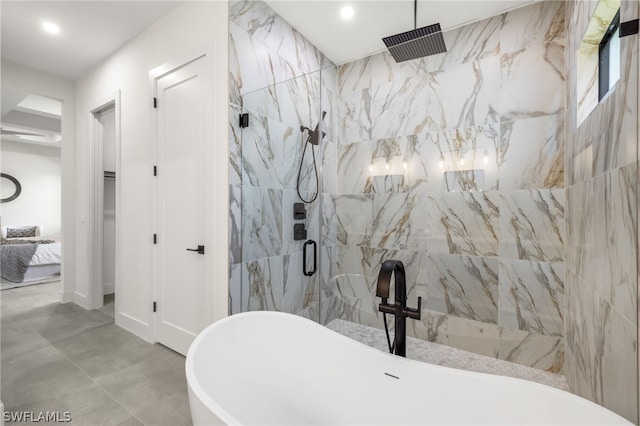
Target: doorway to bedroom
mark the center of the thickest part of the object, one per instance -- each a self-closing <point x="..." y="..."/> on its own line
<point x="30" y="187"/>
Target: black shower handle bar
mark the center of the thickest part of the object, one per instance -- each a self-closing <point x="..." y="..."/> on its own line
<point x="304" y="258"/>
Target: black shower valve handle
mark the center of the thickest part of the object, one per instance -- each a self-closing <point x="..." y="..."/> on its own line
<point x="414" y="313"/>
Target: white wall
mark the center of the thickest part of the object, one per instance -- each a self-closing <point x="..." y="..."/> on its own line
<point x="185" y="29"/>
<point x="38" y="170"/>
<point x="29" y="80"/>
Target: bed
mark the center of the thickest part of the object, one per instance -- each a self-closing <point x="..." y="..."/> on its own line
<point x="27" y="257"/>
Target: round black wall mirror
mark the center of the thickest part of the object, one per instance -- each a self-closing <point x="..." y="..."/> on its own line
<point x="15" y="193"/>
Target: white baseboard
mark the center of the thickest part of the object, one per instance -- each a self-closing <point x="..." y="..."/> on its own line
<point x="81" y="300"/>
<point x="135" y="326"/>
<point x="65" y="296"/>
<point x="109" y="288"/>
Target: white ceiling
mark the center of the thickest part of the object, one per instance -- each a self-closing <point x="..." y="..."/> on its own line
<point x="30" y="118"/>
<point x="93" y="30"/>
<point x="90" y="31"/>
<point x="343" y="41"/>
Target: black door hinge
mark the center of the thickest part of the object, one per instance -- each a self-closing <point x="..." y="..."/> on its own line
<point x="155" y="102"/>
<point x="629" y="28"/>
<point x="155" y="238"/>
<point x="155" y="170"/>
<point x="244" y="120"/>
<point x="155" y="307"/>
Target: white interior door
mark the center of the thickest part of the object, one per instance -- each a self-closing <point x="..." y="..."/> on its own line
<point x="183" y="297"/>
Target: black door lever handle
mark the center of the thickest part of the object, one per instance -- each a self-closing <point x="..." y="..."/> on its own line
<point x="200" y="249"/>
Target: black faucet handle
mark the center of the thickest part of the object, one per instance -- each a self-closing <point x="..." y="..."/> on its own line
<point x="414" y="313"/>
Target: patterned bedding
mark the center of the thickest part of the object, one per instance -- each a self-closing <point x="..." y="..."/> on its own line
<point x="16" y="255"/>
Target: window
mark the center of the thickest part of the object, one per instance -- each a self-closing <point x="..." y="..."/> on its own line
<point x="609" y="58"/>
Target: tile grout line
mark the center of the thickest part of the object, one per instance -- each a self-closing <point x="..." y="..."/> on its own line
<point x="91" y="378"/>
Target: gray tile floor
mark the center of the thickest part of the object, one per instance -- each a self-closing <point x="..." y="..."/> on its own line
<point x="60" y="357"/>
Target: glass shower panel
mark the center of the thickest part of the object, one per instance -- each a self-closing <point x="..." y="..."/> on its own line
<point x="279" y="231"/>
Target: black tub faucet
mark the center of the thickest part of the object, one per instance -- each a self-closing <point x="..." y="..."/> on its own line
<point x="399" y="308"/>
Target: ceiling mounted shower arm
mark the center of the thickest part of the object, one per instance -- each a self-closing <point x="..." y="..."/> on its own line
<point x="415" y="14"/>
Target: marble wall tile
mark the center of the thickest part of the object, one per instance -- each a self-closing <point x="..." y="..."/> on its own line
<point x="618" y="348"/>
<point x="261" y="223"/>
<point x="466" y="223"/>
<point x="532" y="83"/>
<point x="299" y="291"/>
<point x="329" y="168"/>
<point x="621" y="289"/>
<point x="418" y="206"/>
<point x="235" y="289"/>
<point x="262" y="284"/>
<point x="274" y="75"/>
<point x="353" y="165"/>
<point x="462" y="96"/>
<point x="465" y="150"/>
<point x="264" y="26"/>
<point x="532" y="153"/>
<point x="532" y="296"/>
<point x="385" y="184"/>
<point x="464" y="44"/>
<point x="235" y="224"/>
<point x="235" y="145"/>
<point x="578" y="384"/>
<point x="328" y="224"/>
<point x="263" y="151"/>
<point x="405" y="100"/>
<point x="593" y="262"/>
<point x="539" y="24"/>
<point x="466" y="95"/>
<point x="570" y="312"/>
<point x="327" y="272"/>
<point x="354" y="219"/>
<point x="469" y="43"/>
<point x="462" y="333"/>
<point x="295" y="102"/>
<point x="353" y="273"/>
<point x="532" y="225"/>
<point x="235" y="95"/>
<point x="390" y="226"/>
<point x="244" y="66"/>
<point x="463" y="286"/>
<point x="604" y="353"/>
<point x="535" y="350"/>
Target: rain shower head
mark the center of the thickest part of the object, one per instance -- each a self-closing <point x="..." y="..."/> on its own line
<point x="416" y="43"/>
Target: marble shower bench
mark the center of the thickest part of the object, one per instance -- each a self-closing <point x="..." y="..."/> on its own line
<point x="434" y="353"/>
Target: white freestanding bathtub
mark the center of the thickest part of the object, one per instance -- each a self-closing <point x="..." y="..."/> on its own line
<point x="269" y="368"/>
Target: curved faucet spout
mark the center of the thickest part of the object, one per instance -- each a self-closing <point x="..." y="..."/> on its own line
<point x="399" y="308"/>
<point x="384" y="280"/>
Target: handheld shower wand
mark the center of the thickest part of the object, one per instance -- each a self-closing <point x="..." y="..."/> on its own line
<point x="314" y="137"/>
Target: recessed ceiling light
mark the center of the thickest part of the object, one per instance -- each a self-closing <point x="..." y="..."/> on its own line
<point x="50" y="27"/>
<point x="347" y="12"/>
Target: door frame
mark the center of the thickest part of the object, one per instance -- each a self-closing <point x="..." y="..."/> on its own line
<point x="216" y="235"/>
<point x="95" y="298"/>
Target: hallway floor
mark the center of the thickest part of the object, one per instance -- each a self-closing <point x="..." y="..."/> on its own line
<point x="60" y="357"/>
